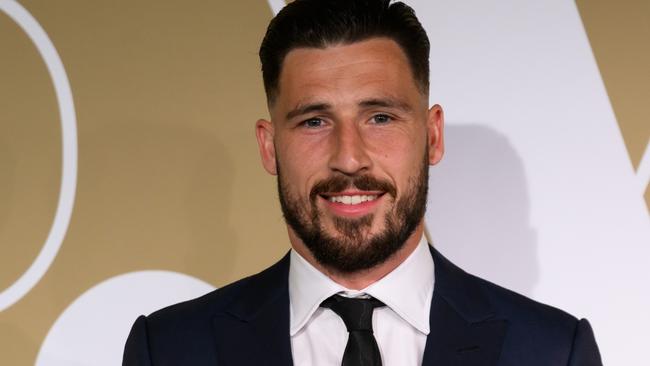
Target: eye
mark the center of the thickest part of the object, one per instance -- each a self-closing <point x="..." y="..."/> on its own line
<point x="381" y="118"/>
<point x="312" y="123"/>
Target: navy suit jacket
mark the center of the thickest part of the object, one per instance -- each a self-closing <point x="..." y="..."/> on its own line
<point x="473" y="322"/>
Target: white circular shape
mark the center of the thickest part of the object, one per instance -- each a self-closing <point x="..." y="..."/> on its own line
<point x="67" y="116"/>
<point x="94" y="328"/>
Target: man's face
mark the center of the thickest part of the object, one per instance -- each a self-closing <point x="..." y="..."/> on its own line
<point x="351" y="138"/>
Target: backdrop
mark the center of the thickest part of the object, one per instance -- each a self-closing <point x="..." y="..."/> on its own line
<point x="130" y="180"/>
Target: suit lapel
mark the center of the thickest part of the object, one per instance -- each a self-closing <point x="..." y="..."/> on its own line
<point x="464" y="328"/>
<point x="254" y="328"/>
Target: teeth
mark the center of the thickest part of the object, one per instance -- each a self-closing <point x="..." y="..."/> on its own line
<point x="353" y="200"/>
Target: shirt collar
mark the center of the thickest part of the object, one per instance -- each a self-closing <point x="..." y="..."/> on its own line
<point x="407" y="290"/>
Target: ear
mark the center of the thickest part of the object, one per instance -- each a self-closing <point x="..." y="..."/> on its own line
<point x="435" y="127"/>
<point x="265" y="132"/>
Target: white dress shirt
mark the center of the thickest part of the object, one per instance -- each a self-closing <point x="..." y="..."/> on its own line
<point x="319" y="336"/>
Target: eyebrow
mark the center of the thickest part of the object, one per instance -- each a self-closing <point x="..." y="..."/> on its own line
<point x="302" y="109"/>
<point x="308" y="108"/>
<point x="386" y="103"/>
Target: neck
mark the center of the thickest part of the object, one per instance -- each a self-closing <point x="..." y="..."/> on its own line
<point x="361" y="279"/>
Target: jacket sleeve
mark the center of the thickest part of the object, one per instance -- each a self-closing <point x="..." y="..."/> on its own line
<point x="585" y="350"/>
<point x="136" y="350"/>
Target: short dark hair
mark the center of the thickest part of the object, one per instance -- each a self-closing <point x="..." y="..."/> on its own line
<point x="322" y="23"/>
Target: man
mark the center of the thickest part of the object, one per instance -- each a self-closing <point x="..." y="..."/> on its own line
<point x="350" y="139"/>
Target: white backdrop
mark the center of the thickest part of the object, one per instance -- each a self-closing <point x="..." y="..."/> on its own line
<point x="536" y="191"/>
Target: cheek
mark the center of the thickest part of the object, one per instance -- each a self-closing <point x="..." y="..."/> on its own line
<point x="301" y="163"/>
<point x="396" y="148"/>
<point x="398" y="157"/>
<point x="301" y="147"/>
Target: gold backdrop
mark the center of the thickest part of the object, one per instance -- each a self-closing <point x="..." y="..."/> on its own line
<point x="166" y="96"/>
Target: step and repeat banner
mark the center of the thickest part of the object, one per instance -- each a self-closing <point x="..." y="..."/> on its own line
<point x="130" y="178"/>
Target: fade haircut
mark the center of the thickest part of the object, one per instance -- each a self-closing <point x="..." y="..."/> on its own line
<point x="323" y="23"/>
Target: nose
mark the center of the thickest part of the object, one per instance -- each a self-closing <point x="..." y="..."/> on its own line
<point x="349" y="152"/>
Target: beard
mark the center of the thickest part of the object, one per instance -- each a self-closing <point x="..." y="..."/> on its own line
<point x="352" y="248"/>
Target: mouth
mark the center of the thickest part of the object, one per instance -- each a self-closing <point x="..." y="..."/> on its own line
<point x="352" y="203"/>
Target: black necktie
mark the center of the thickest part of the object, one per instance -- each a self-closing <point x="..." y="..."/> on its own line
<point x="361" y="349"/>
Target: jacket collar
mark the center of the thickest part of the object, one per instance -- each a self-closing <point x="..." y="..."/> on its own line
<point x="254" y="327"/>
<point x="461" y="290"/>
<point x="464" y="327"/>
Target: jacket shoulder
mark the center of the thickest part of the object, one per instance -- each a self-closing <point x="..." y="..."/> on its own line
<point x="183" y="333"/>
<point x="517" y="307"/>
<point x="534" y="328"/>
<point x="490" y="299"/>
<point x="535" y="333"/>
<point x="199" y="311"/>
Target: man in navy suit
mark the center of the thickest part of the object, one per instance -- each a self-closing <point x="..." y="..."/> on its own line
<point x="351" y="139"/>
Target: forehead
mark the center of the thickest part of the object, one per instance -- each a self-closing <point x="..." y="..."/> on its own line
<point x="371" y="68"/>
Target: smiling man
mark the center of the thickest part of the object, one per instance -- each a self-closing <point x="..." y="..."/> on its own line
<point x="351" y="139"/>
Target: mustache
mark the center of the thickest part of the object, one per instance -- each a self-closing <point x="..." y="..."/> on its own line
<point x="338" y="183"/>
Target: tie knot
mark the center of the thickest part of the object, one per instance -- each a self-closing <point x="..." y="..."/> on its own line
<point x="355" y="312"/>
